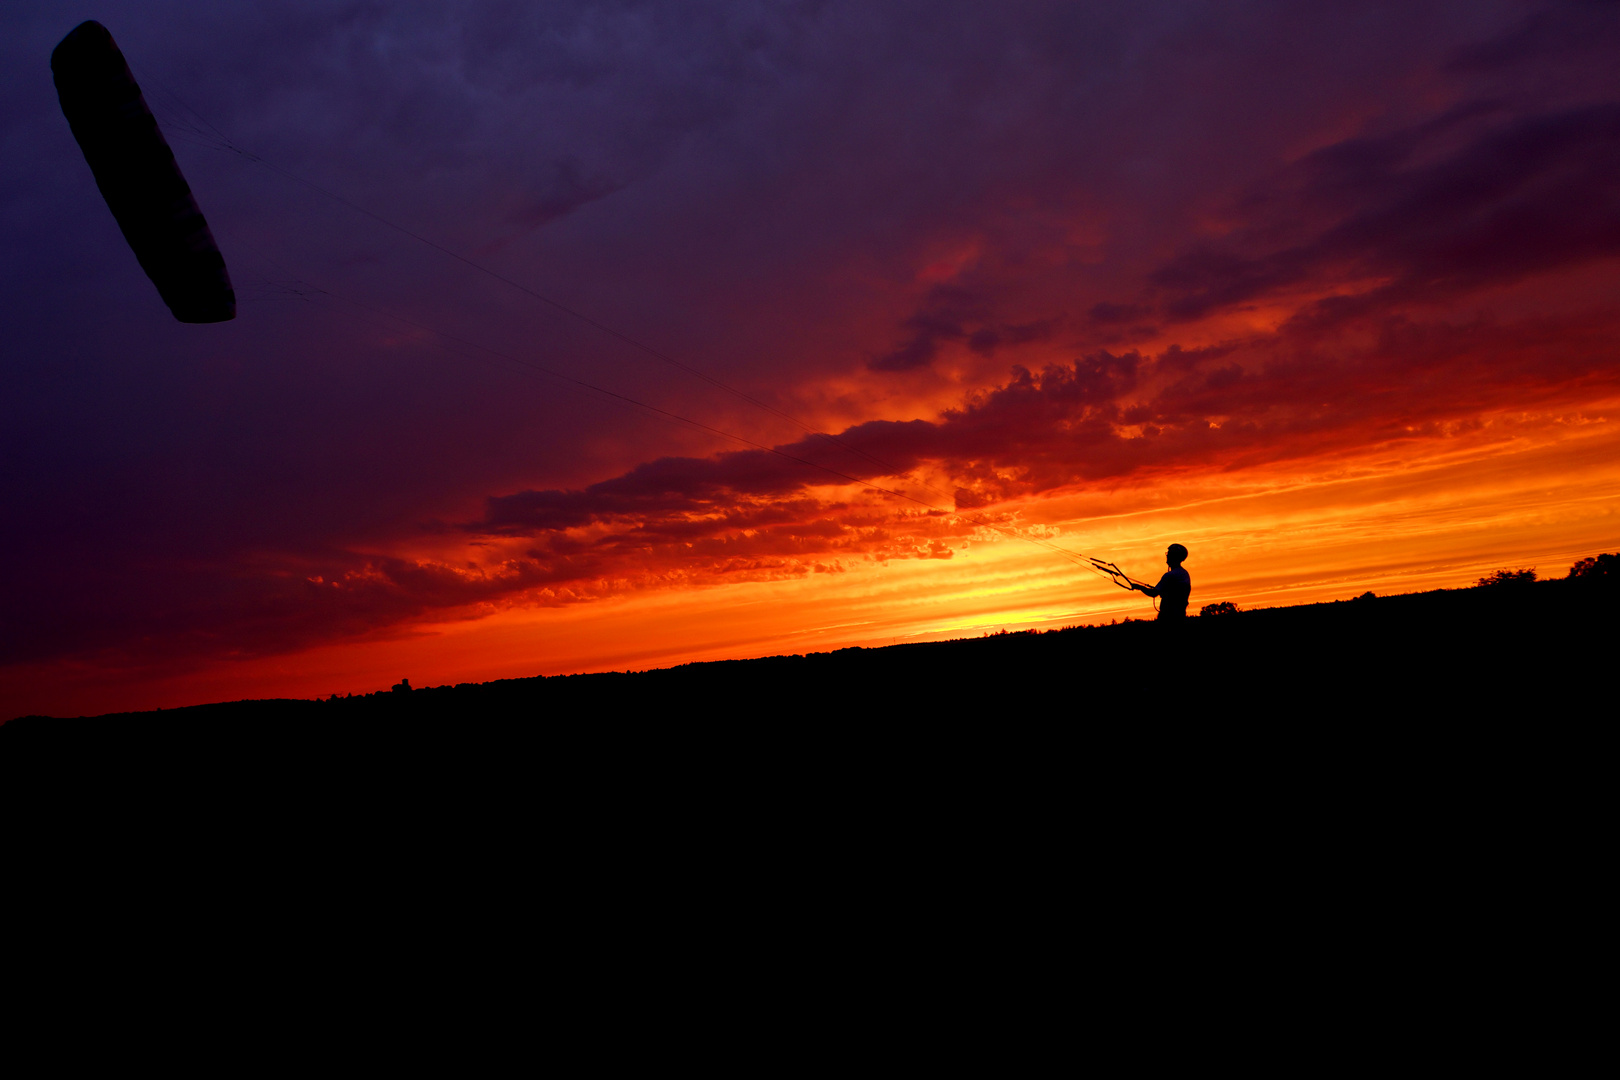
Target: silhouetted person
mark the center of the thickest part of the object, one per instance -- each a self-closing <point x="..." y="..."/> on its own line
<point x="1174" y="589"/>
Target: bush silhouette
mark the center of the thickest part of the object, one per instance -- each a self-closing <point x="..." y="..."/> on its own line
<point x="1225" y="607"/>
<point x="1603" y="568"/>
<point x="1506" y="577"/>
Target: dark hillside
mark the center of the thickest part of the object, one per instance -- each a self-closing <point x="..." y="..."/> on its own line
<point x="1394" y="732"/>
<point x="1530" y="648"/>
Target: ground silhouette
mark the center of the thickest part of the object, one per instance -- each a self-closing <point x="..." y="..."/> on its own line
<point x="1481" y="651"/>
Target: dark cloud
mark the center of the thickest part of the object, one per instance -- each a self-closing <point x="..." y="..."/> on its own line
<point x="1554" y="35"/>
<point x="1109" y="314"/>
<point x="562" y="187"/>
<point x="1525" y="196"/>
<point x="986" y="340"/>
<point x="944" y="316"/>
<point x="951" y="313"/>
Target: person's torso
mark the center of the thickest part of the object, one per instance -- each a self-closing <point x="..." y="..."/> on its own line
<point x="1175" y="588"/>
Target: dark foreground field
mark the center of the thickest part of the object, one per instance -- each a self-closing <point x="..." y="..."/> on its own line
<point x="1523" y="649"/>
<point x="1328" y="750"/>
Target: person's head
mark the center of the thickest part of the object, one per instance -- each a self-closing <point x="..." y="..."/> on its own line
<point x="1175" y="555"/>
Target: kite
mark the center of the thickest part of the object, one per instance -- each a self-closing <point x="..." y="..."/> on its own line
<point x="138" y="176"/>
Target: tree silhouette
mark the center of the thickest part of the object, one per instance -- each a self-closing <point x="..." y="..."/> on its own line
<point x="1604" y="569"/>
<point x="1507" y="577"/>
<point x="1225" y="607"/>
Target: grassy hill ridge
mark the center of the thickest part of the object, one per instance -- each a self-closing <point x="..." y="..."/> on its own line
<point x="1487" y="646"/>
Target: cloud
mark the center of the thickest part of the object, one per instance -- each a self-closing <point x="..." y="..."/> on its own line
<point x="951" y="313"/>
<point x="682" y="522"/>
<point x="561" y="187"/>
<point x="1519" y="196"/>
<point x="1553" y="36"/>
<point x="942" y="317"/>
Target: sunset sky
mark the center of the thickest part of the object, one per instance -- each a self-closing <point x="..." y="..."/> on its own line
<point x="822" y="324"/>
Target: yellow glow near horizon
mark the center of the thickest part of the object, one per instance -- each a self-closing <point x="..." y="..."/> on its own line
<point x="1433" y="514"/>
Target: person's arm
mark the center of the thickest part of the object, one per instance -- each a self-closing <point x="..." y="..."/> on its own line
<point x="1156" y="591"/>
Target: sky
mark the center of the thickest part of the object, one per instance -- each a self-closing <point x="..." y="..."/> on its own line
<point x="591" y="336"/>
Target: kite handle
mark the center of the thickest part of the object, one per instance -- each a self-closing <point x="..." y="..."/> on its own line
<point x="1115" y="572"/>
